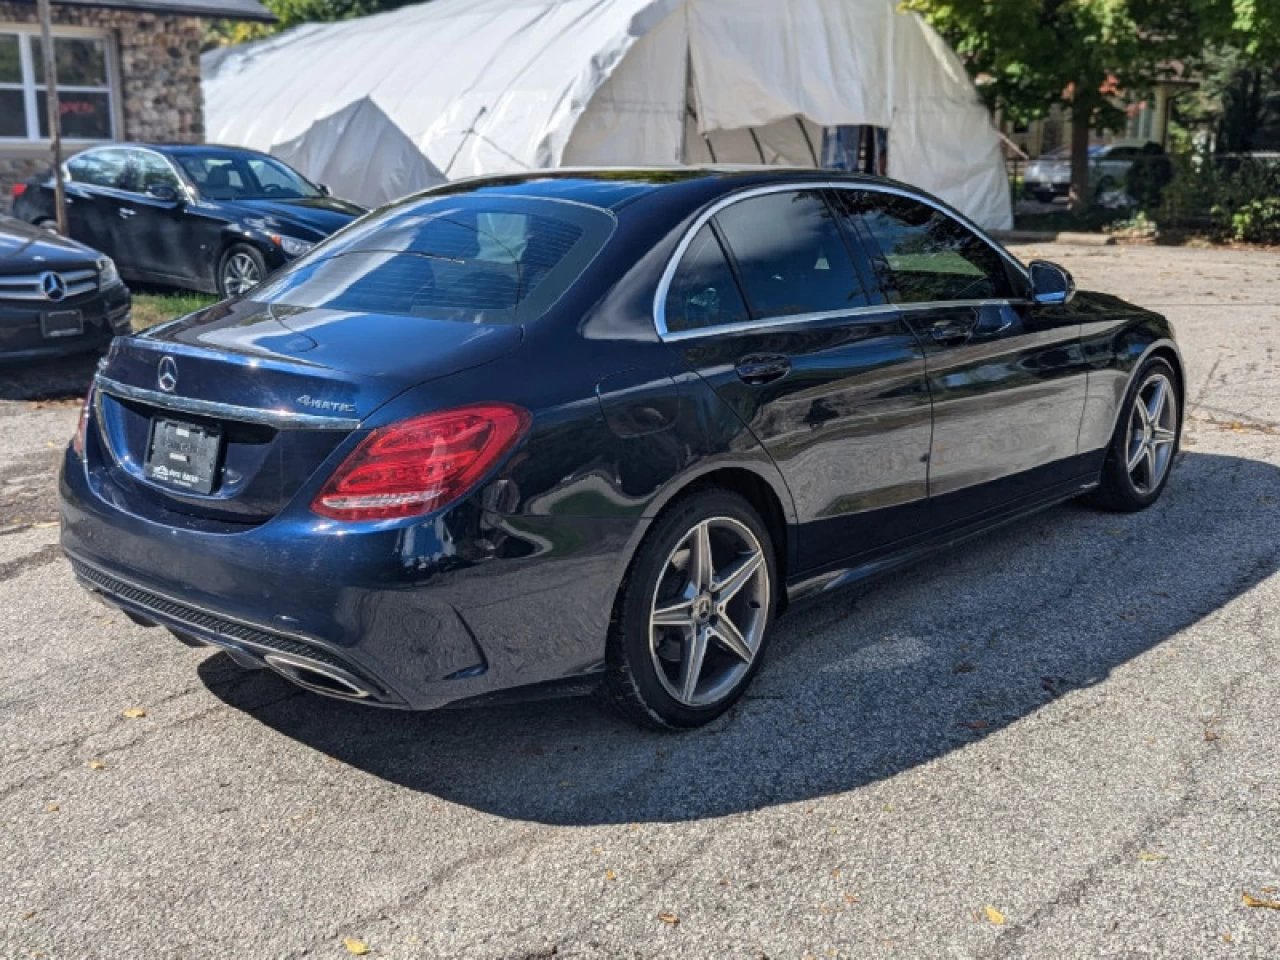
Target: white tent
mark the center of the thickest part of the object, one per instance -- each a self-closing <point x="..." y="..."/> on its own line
<point x="490" y="86"/>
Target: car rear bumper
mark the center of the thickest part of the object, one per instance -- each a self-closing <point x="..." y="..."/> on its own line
<point x="409" y="617"/>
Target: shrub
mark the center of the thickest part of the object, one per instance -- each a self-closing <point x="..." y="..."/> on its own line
<point x="1258" y="221"/>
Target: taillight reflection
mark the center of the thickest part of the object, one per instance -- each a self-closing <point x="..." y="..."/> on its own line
<point x="82" y="428"/>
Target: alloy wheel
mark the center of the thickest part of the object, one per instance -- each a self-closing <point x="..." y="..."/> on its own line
<point x="709" y="611"/>
<point x="240" y="274"/>
<point x="1153" y="431"/>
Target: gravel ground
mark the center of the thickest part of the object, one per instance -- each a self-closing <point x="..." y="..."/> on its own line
<point x="1060" y="742"/>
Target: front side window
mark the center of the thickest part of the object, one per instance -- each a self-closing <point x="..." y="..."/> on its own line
<point x="703" y="293"/>
<point x="100" y="168"/>
<point x="790" y="255"/>
<point x="84" y="87"/>
<point x="152" y="170"/>
<point x="469" y="259"/>
<point x="926" y="256"/>
<point x="226" y="175"/>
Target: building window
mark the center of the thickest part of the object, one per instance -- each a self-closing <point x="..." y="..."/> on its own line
<point x="85" y="95"/>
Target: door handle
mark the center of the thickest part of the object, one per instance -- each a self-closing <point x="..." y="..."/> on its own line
<point x="951" y="331"/>
<point x="126" y="213"/>
<point x="758" y="370"/>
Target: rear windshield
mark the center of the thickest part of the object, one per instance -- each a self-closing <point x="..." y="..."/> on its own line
<point x="474" y="259"/>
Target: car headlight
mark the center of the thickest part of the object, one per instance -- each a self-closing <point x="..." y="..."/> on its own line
<point x="108" y="275"/>
<point x="292" y="246"/>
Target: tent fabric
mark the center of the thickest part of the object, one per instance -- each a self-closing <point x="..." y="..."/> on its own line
<point x="494" y="86"/>
<point x="335" y="151"/>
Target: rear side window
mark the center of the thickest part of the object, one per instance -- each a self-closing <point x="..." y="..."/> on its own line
<point x="703" y="292"/>
<point x="926" y="256"/>
<point x="99" y="168"/>
<point x="790" y="255"/>
<point x="471" y="259"/>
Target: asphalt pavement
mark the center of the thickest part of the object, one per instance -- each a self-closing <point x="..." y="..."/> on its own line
<point x="1062" y="740"/>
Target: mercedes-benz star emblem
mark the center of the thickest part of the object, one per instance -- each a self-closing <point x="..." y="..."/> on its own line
<point x="53" y="286"/>
<point x="167" y="374"/>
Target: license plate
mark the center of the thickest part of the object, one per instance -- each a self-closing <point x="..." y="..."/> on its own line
<point x="183" y="455"/>
<point x="62" y="323"/>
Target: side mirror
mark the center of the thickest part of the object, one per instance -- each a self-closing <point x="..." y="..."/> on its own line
<point x="163" y="192"/>
<point x="324" y="190"/>
<point x="1050" y="284"/>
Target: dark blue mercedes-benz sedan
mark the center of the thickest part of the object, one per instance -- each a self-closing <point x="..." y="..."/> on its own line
<point x="594" y="431"/>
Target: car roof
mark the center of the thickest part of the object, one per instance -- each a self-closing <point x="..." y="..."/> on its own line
<point x="615" y="187"/>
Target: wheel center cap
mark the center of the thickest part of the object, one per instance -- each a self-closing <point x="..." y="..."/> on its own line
<point x="702" y="607"/>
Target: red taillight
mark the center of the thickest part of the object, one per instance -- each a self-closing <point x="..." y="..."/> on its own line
<point x="419" y="465"/>
<point x="82" y="428"/>
<point x="18" y="190"/>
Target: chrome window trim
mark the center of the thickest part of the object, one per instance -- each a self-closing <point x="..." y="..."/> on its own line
<point x="280" y="419"/>
<point x="668" y="274"/>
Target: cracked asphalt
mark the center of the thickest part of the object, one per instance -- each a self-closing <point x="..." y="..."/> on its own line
<point x="1072" y="727"/>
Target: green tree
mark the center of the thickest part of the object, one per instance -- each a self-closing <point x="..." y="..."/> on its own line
<point x="290" y="13"/>
<point x="1029" y="55"/>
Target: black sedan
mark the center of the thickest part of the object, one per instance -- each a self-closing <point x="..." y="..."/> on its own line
<point x="597" y="430"/>
<point x="214" y="219"/>
<point x="57" y="297"/>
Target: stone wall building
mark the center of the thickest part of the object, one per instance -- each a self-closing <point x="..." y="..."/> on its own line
<point x="126" y="71"/>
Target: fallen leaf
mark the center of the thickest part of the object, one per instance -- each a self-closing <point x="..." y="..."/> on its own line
<point x="670" y="919"/>
<point x="993" y="915"/>
<point x="96" y="765"/>
<point x="28" y="915"/>
<point x="1151" y="857"/>
<point x="134" y="713"/>
<point x="978" y="724"/>
<point x="1250" y="901"/>
<point x="835" y="873"/>
<point x="963" y="668"/>
<point x="1226" y="938"/>
<point x="597" y="851"/>
<point x="850" y="898"/>
<point x="357" y="947"/>
<point x="610" y="875"/>
<point x="51" y="808"/>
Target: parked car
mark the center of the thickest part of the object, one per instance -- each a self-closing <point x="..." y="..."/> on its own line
<point x="569" y="431"/>
<point x="1049" y="176"/>
<point x="214" y="219"/>
<point x="57" y="297"/>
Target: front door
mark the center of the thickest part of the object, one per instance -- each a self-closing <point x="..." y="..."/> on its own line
<point x="770" y="306"/>
<point x="1008" y="378"/>
<point x="153" y="229"/>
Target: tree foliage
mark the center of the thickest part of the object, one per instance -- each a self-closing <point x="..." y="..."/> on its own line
<point x="1030" y="55"/>
<point x="290" y="13"/>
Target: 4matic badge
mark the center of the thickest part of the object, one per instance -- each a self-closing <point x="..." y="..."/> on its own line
<point x="334" y="406"/>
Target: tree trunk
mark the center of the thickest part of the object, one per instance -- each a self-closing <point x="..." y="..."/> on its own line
<point x="1081" y="191"/>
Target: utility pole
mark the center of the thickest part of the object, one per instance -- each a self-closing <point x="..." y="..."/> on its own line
<point x="53" y="111"/>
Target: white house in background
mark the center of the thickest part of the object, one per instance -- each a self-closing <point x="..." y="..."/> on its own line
<point x="493" y="86"/>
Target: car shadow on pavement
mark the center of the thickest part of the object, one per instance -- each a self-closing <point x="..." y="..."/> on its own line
<point x="858" y="687"/>
<point x="45" y="380"/>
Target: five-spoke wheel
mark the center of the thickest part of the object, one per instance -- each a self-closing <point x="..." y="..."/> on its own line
<point x="1145" y="441"/>
<point x="694" y="612"/>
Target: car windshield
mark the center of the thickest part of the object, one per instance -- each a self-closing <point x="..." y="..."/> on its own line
<point x="466" y="258"/>
<point x="228" y="175"/>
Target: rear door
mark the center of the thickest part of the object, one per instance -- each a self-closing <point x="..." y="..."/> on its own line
<point x="1007" y="378"/>
<point x="97" y="178"/>
<point x="769" y="306"/>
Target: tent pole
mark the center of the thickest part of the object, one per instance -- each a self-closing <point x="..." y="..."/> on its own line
<point x="756" y="141"/>
<point x="688" y="73"/>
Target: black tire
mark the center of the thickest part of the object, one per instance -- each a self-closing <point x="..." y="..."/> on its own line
<point x="1044" y="196"/>
<point x="236" y="259"/>
<point x="632" y="684"/>
<point x="1118" y="490"/>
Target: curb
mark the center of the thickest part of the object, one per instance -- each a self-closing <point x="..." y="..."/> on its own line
<point x="1038" y="236"/>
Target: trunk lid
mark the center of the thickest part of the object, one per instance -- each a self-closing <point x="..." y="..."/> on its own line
<point x="280" y="387"/>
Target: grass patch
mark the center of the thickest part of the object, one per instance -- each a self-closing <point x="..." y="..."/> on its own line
<point x="152" y="308"/>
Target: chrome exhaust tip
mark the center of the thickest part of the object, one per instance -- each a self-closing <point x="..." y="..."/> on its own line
<point x="319" y="678"/>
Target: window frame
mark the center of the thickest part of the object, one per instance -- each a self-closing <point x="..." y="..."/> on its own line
<point x="30" y="85"/>
<point x="1018" y="270"/>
